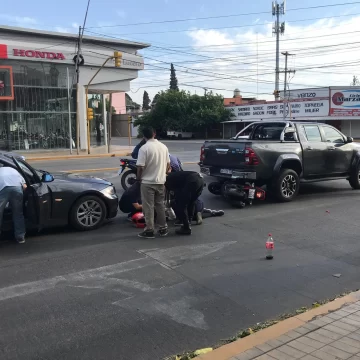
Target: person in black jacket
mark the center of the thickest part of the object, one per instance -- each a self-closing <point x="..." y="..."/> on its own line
<point x="130" y="201"/>
<point x="187" y="186"/>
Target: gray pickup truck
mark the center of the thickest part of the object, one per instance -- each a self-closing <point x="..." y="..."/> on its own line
<point x="281" y="155"/>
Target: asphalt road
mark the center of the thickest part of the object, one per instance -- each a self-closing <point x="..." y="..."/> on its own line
<point x="109" y="295"/>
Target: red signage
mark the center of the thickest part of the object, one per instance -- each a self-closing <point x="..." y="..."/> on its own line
<point x="38" y="54"/>
<point x="6" y="83"/>
<point x="3" y="51"/>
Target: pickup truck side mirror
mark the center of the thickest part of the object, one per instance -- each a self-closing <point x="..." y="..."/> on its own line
<point x="349" y="139"/>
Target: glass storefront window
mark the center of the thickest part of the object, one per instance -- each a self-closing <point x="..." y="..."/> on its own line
<point x="38" y="117"/>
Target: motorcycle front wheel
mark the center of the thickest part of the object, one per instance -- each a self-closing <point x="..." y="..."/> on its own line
<point x="128" y="179"/>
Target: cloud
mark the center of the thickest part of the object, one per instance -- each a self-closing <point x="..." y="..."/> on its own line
<point x="61" y="29"/>
<point x="326" y="54"/>
<point x="22" y="21"/>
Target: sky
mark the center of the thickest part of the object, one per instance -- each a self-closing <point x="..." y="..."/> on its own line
<point x="214" y="45"/>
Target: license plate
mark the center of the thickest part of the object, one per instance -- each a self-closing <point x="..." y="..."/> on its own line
<point x="251" y="193"/>
<point x="226" y="171"/>
<point x="205" y="170"/>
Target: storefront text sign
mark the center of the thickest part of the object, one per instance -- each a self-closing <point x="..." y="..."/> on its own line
<point x="344" y="102"/>
<point x="38" y="54"/>
<point x="275" y="110"/>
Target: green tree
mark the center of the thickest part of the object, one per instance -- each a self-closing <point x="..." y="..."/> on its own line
<point x="173" y="79"/>
<point x="155" y="99"/>
<point x="181" y="111"/>
<point x="146" y="101"/>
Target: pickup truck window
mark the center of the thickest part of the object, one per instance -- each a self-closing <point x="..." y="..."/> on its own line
<point x="332" y="135"/>
<point x="312" y="133"/>
<point x="268" y="132"/>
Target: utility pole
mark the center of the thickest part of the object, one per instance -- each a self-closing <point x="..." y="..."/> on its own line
<point x="278" y="29"/>
<point x="77" y="73"/>
<point x="286" y="72"/>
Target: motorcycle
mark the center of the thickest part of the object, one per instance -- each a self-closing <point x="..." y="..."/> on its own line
<point x="239" y="195"/>
<point x="128" y="177"/>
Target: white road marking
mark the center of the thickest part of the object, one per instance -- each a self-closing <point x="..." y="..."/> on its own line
<point x="173" y="302"/>
<point x="176" y="256"/>
<point x="94" y="278"/>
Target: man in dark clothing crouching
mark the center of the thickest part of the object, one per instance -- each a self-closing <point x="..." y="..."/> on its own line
<point x="130" y="201"/>
<point x="187" y="186"/>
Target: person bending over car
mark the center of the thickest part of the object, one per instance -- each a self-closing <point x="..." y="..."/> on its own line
<point x="12" y="185"/>
<point x="187" y="186"/>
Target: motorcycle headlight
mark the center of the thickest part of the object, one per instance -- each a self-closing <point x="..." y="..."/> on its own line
<point x="109" y="192"/>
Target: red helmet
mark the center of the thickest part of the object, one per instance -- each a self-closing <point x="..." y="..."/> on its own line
<point x="139" y="220"/>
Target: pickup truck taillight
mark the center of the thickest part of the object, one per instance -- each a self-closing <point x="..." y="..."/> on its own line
<point x="250" y="157"/>
<point x="202" y="153"/>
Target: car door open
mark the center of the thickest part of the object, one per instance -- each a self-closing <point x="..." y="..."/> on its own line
<point x="38" y="208"/>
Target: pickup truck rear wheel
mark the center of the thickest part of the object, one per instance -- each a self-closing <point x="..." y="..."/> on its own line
<point x="354" y="179"/>
<point x="286" y="186"/>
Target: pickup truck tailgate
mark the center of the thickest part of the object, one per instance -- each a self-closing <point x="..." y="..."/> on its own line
<point x="225" y="154"/>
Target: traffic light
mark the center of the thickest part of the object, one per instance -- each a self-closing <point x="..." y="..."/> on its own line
<point x="276" y="92"/>
<point x="117" y="56"/>
<point x="90" y="114"/>
<point x="129" y="118"/>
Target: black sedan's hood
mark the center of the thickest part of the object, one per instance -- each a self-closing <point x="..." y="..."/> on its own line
<point x="75" y="178"/>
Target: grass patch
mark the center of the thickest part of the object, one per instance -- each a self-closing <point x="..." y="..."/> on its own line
<point x="258" y="327"/>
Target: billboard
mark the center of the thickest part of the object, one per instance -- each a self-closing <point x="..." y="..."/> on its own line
<point x="306" y="94"/>
<point x="275" y="110"/>
<point x="345" y="102"/>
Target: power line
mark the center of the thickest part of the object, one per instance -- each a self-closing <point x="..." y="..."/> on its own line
<point x="222" y="16"/>
<point x="227" y="27"/>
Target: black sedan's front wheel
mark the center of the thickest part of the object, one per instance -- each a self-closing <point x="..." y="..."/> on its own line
<point x="88" y="213"/>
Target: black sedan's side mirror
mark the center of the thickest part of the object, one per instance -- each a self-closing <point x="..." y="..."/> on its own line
<point x="47" y="178"/>
<point x="349" y="139"/>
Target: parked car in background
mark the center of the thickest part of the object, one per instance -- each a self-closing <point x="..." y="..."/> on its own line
<point x="10" y="155"/>
<point x="179" y="134"/>
<point x="282" y="155"/>
<point x="59" y="199"/>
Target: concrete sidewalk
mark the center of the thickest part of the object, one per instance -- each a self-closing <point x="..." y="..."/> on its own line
<point x="332" y="335"/>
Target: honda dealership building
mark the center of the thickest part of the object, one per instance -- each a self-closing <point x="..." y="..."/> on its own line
<point x="338" y="106"/>
<point x="38" y="96"/>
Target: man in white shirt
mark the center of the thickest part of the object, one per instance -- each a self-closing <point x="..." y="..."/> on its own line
<point x="153" y="164"/>
<point x="12" y="185"/>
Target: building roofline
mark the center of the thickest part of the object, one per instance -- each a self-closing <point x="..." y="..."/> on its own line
<point x="67" y="36"/>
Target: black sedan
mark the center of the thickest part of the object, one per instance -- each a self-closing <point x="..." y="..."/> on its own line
<point x="59" y="199"/>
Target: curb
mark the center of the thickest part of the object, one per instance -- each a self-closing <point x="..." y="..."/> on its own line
<point x="237" y="347"/>
<point x="74" y="157"/>
<point x="110" y="169"/>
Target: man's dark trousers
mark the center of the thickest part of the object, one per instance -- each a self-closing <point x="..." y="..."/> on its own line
<point x="186" y="197"/>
